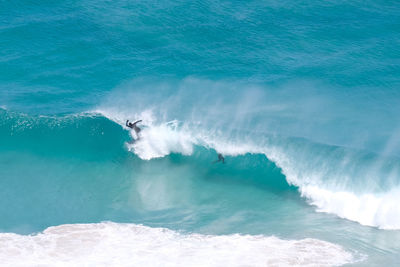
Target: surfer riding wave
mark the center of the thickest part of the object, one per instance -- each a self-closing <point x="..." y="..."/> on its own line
<point x="134" y="127"/>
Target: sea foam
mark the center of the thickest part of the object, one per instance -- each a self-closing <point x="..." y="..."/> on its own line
<point x="115" y="244"/>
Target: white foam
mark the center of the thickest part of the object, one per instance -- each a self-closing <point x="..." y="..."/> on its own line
<point x="113" y="244"/>
<point x="161" y="140"/>
<point x="370" y="209"/>
<point x="380" y="210"/>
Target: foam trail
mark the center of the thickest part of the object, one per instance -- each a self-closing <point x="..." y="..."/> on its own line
<point x="114" y="244"/>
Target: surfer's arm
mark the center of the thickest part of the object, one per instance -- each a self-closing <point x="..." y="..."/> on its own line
<point x="136" y="122"/>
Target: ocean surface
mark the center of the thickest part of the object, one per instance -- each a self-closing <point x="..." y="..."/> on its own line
<point x="302" y="98"/>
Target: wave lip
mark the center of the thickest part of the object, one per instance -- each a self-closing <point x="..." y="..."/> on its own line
<point x="114" y="244"/>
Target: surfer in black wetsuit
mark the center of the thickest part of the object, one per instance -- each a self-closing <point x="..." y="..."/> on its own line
<point x="220" y="158"/>
<point x="134" y="126"/>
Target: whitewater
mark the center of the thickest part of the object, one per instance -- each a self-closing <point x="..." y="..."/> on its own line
<point x="113" y="244"/>
<point x="301" y="99"/>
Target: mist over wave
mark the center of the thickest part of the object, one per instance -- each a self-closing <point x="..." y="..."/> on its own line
<point x="357" y="181"/>
<point x="353" y="174"/>
<point x="362" y="118"/>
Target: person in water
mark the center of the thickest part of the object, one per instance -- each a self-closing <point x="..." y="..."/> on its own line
<point x="134" y="126"/>
<point x="220" y="158"/>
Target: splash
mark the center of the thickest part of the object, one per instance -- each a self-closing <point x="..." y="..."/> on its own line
<point x="161" y="140"/>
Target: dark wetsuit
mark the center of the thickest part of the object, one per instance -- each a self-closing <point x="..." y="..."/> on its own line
<point x="220" y="158"/>
<point x="134" y="126"/>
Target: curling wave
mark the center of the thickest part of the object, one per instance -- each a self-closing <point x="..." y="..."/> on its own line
<point x="353" y="184"/>
<point x="357" y="185"/>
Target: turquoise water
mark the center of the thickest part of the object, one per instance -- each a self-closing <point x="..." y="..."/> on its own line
<point x="301" y="98"/>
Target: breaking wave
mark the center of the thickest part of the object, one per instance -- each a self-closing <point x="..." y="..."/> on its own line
<point x="354" y="184"/>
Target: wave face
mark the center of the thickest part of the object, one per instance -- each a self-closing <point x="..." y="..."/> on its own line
<point x="356" y="185"/>
<point x="85" y="161"/>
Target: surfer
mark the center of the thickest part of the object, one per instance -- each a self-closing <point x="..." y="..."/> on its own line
<point x="220" y="158"/>
<point x="134" y="126"/>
